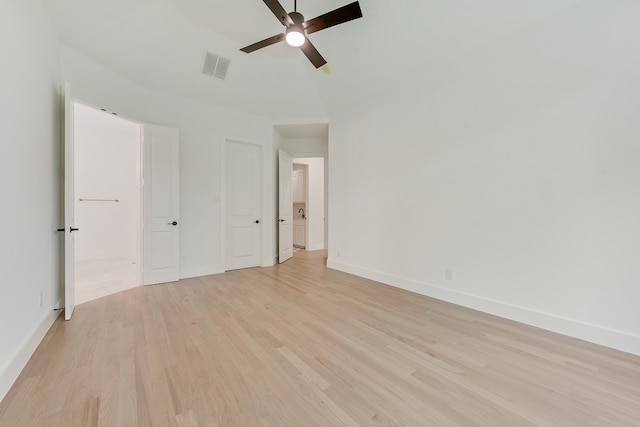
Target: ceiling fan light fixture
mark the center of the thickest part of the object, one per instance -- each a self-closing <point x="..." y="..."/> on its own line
<point x="295" y="36"/>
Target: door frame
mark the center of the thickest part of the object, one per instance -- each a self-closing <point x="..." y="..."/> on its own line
<point x="265" y="213"/>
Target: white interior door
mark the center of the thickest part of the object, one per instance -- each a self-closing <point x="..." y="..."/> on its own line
<point x="285" y="207"/>
<point x="243" y="205"/>
<point x="69" y="203"/>
<point x="161" y="205"/>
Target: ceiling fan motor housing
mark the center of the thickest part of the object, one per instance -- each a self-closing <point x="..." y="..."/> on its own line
<point x="297" y="18"/>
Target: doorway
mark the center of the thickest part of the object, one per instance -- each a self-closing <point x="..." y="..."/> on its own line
<point x="308" y="188"/>
<point x="107" y="199"/>
<point x="308" y="145"/>
<point x="302" y="205"/>
<point x="299" y="197"/>
<point x="107" y="203"/>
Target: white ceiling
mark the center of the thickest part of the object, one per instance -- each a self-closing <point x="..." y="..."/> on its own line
<point x="160" y="44"/>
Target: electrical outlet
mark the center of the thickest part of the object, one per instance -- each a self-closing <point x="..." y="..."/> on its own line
<point x="41" y="299"/>
<point x="448" y="274"/>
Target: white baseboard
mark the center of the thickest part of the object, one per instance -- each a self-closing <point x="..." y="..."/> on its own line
<point x="618" y="340"/>
<point x="189" y="272"/>
<point x="12" y="370"/>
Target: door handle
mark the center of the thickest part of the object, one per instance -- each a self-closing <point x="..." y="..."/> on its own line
<point x="71" y="229"/>
<point x="174" y="223"/>
<point x="257" y="221"/>
<point x="281" y="220"/>
<point x="60" y="229"/>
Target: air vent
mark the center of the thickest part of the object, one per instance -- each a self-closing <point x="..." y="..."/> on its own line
<point x="215" y="66"/>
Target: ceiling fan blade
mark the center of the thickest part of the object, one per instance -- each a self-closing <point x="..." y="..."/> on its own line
<point x="264" y="43"/>
<point x="279" y="12"/>
<point x="335" y="17"/>
<point x="312" y="53"/>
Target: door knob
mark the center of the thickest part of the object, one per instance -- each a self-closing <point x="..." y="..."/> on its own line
<point x="257" y="221"/>
<point x="172" y="223"/>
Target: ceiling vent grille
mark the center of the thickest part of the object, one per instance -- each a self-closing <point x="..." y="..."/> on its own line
<point x="215" y="66"/>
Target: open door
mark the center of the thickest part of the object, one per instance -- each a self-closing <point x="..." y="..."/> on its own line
<point x="161" y="202"/>
<point x="285" y="207"/>
<point x="69" y="211"/>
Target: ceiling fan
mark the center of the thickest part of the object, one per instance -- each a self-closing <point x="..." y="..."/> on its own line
<point x="297" y="28"/>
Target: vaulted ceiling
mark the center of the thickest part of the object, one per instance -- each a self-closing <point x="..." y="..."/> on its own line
<point x="160" y="44"/>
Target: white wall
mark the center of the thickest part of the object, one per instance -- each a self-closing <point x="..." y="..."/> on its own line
<point x="107" y="166"/>
<point x="203" y="130"/>
<point x="315" y="208"/>
<point x="516" y="168"/>
<point x="30" y="175"/>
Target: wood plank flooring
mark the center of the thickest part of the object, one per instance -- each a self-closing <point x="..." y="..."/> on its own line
<point x="301" y="345"/>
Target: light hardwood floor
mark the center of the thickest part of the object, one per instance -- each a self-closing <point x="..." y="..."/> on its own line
<point x="301" y="345"/>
